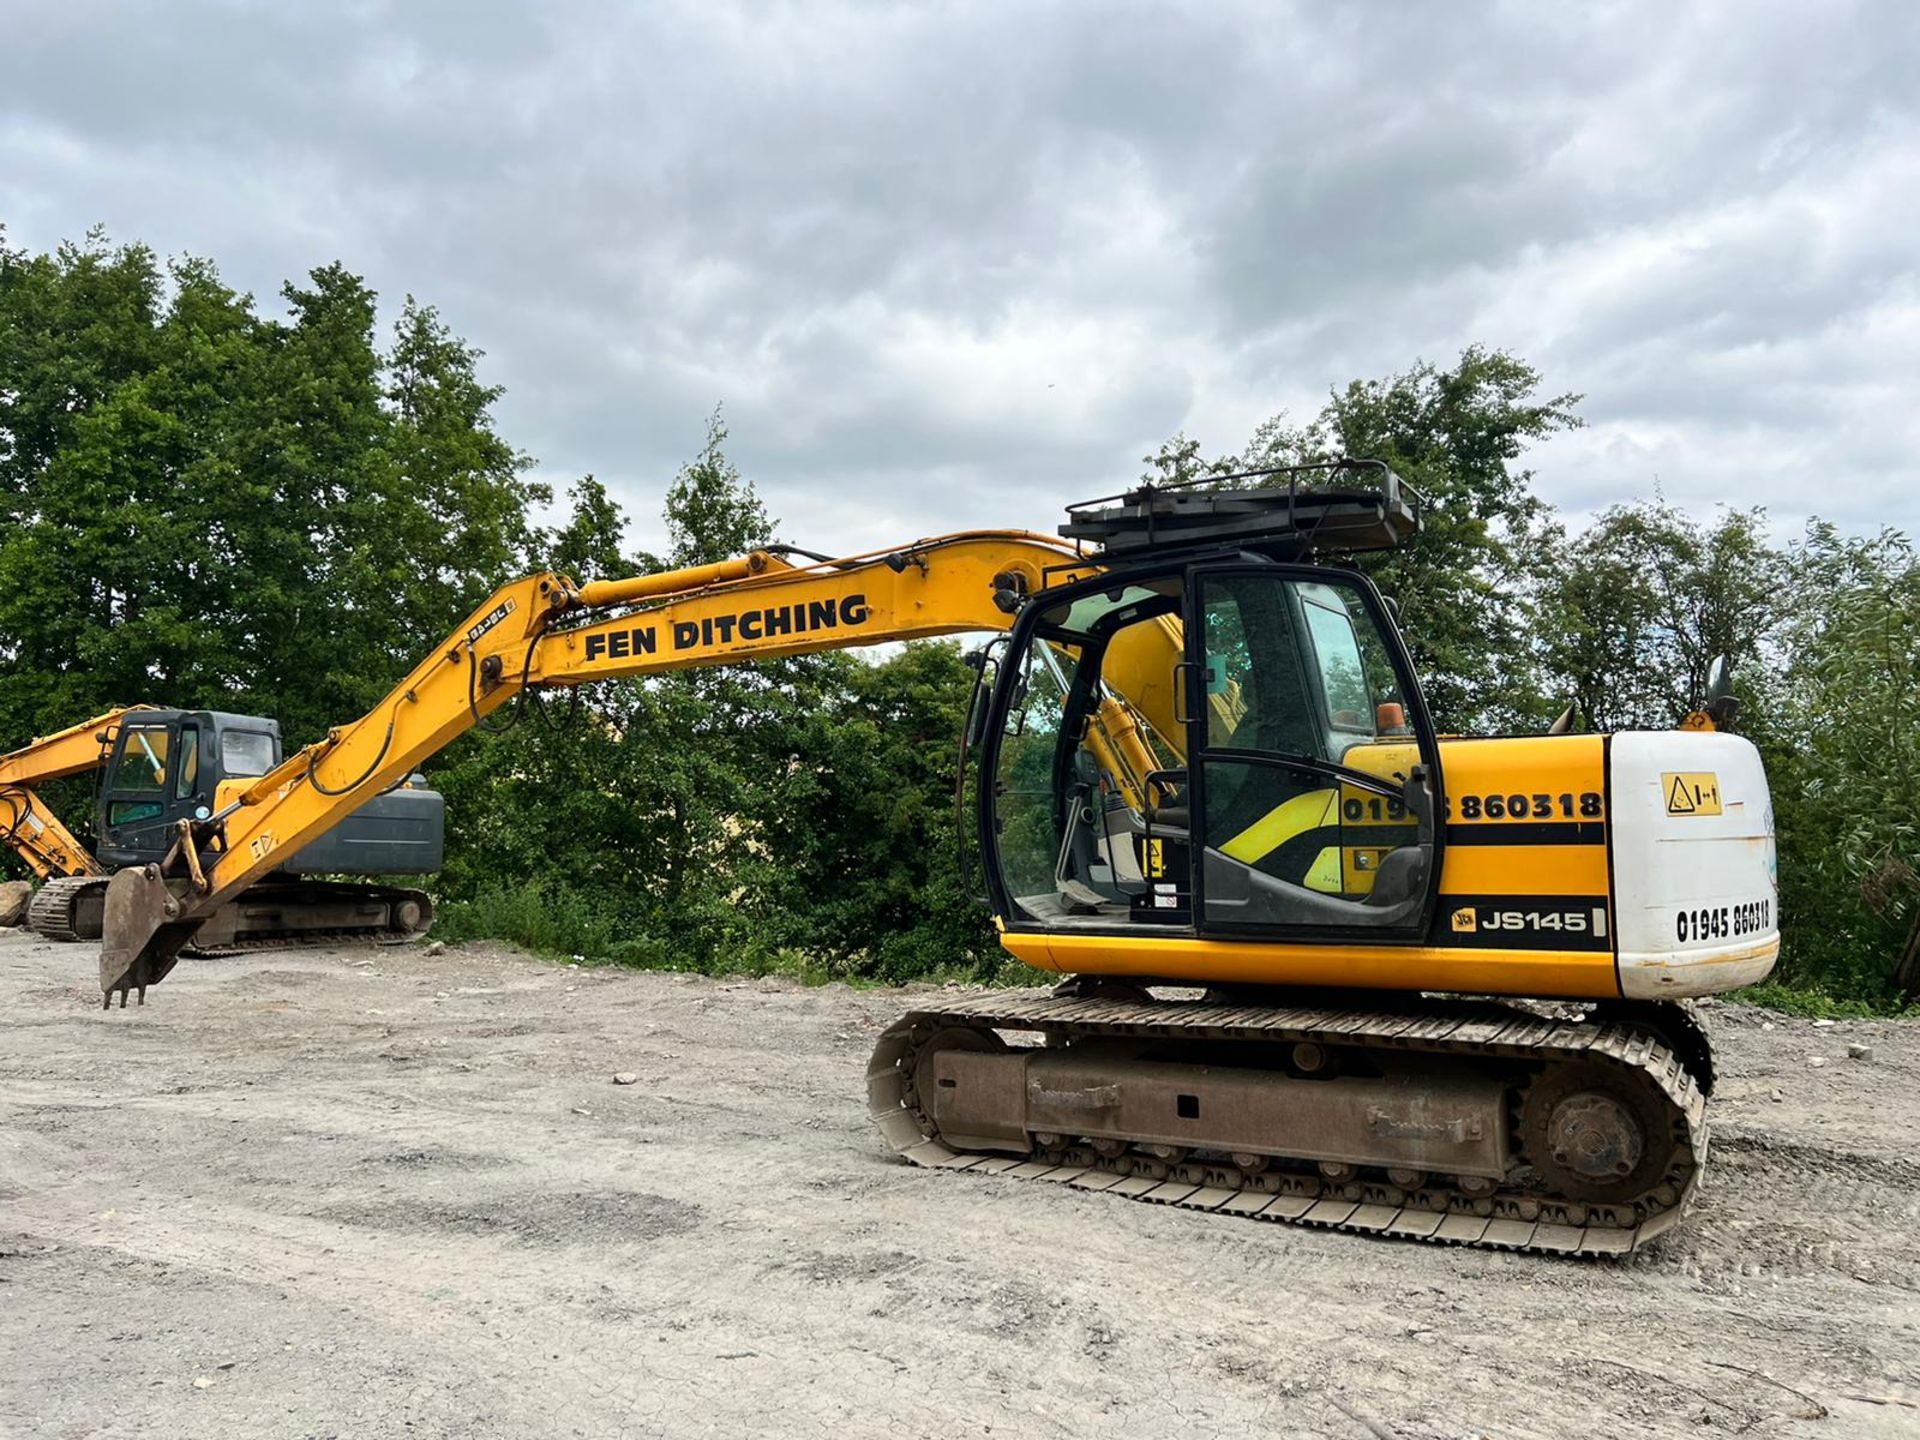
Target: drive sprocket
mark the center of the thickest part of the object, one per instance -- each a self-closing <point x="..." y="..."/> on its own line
<point x="1602" y="1134"/>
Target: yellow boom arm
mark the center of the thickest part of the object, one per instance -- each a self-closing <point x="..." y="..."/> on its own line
<point x="33" y="831"/>
<point x="761" y="606"/>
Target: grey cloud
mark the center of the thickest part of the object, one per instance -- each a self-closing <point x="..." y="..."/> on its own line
<point x="945" y="264"/>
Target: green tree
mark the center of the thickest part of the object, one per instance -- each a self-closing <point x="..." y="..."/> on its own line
<point x="206" y="507"/>
<point x="712" y="512"/>
<point x="1457" y="435"/>
<point x="588" y="546"/>
<point x="1843" y="757"/>
<point x="1644" y="599"/>
<point x="203" y="507"/>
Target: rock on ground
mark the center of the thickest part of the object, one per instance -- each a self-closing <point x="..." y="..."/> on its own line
<point x="361" y="1192"/>
<point x="15" y="896"/>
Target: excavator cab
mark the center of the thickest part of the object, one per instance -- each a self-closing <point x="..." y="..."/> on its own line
<point x="165" y="766"/>
<point x="1232" y="745"/>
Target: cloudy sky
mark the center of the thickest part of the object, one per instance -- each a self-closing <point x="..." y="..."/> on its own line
<point x="952" y="265"/>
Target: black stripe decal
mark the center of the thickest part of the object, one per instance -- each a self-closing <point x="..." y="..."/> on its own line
<point x="1529" y="832"/>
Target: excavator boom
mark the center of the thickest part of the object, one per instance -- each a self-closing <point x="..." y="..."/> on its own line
<point x="530" y="633"/>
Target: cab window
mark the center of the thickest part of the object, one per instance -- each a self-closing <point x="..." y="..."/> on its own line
<point x="1312" y="813"/>
<point x="142" y="771"/>
<point x="246" y="753"/>
<point x="189" y="762"/>
<point x="143" y="760"/>
<point x="1090" y="745"/>
<point x="1029" y="837"/>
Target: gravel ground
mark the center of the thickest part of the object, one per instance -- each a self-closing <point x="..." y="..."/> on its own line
<point x="375" y="1193"/>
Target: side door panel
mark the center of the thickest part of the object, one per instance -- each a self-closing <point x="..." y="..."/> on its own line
<point x="136" y="800"/>
<point x="1312" y="762"/>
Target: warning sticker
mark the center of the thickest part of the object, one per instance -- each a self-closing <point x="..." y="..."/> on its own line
<point x="1691" y="792"/>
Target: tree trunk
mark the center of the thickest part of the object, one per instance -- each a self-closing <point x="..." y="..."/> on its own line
<point x="1906" y="970"/>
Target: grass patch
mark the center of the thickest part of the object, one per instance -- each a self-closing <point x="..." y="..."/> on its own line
<point x="559" y="923"/>
<point x="1816" y="1004"/>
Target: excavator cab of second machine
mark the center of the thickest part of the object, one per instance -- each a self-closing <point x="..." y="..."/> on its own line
<point x="1231" y="745"/>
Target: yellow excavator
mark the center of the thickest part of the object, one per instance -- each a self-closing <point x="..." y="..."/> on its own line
<point x="158" y="767"/>
<point x="1319" y="963"/>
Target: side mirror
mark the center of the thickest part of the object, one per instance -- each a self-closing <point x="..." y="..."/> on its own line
<point x="1722" y="704"/>
<point x="985" y="664"/>
<point x="1721" y="707"/>
<point x="1719" y="678"/>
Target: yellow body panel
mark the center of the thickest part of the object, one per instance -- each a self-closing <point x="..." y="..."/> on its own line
<point x="1525" y="822"/>
<point x="1373" y="967"/>
<point x="1517" y="870"/>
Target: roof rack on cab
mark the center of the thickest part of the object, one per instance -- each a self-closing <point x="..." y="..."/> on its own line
<point x="1336" y="506"/>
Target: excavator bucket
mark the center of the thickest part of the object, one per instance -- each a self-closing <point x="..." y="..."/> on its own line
<point x="142" y="936"/>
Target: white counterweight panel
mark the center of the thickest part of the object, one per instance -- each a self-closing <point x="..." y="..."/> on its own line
<point x="1696" y="888"/>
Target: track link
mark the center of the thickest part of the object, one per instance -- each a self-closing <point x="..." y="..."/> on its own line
<point x="53" y="912"/>
<point x="1515" y="1216"/>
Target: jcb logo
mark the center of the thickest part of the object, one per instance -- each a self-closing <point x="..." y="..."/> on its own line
<point x="1465" y="921"/>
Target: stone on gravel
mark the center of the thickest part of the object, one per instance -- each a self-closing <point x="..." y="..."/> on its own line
<point x="14" y="898"/>
<point x="1815" y="1062"/>
<point x="626" y="1077"/>
<point x="1857" y="1051"/>
<point x="1778" y="1096"/>
<point x="436" y="947"/>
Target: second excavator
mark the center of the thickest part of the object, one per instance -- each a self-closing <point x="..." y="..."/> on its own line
<point x="158" y="769"/>
<point x="1319" y="963"/>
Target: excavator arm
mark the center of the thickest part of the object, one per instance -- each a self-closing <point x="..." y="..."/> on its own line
<point x="27" y="825"/>
<point x="545" y="631"/>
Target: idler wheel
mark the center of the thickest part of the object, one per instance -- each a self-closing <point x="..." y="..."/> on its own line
<point x="1596" y="1133"/>
<point x="949" y="1037"/>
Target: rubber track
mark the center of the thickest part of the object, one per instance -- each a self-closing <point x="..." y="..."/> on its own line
<point x="1510" y="1219"/>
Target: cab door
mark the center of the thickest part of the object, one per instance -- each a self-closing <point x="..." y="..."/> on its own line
<point x="154" y="777"/>
<point x="1312" y="765"/>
